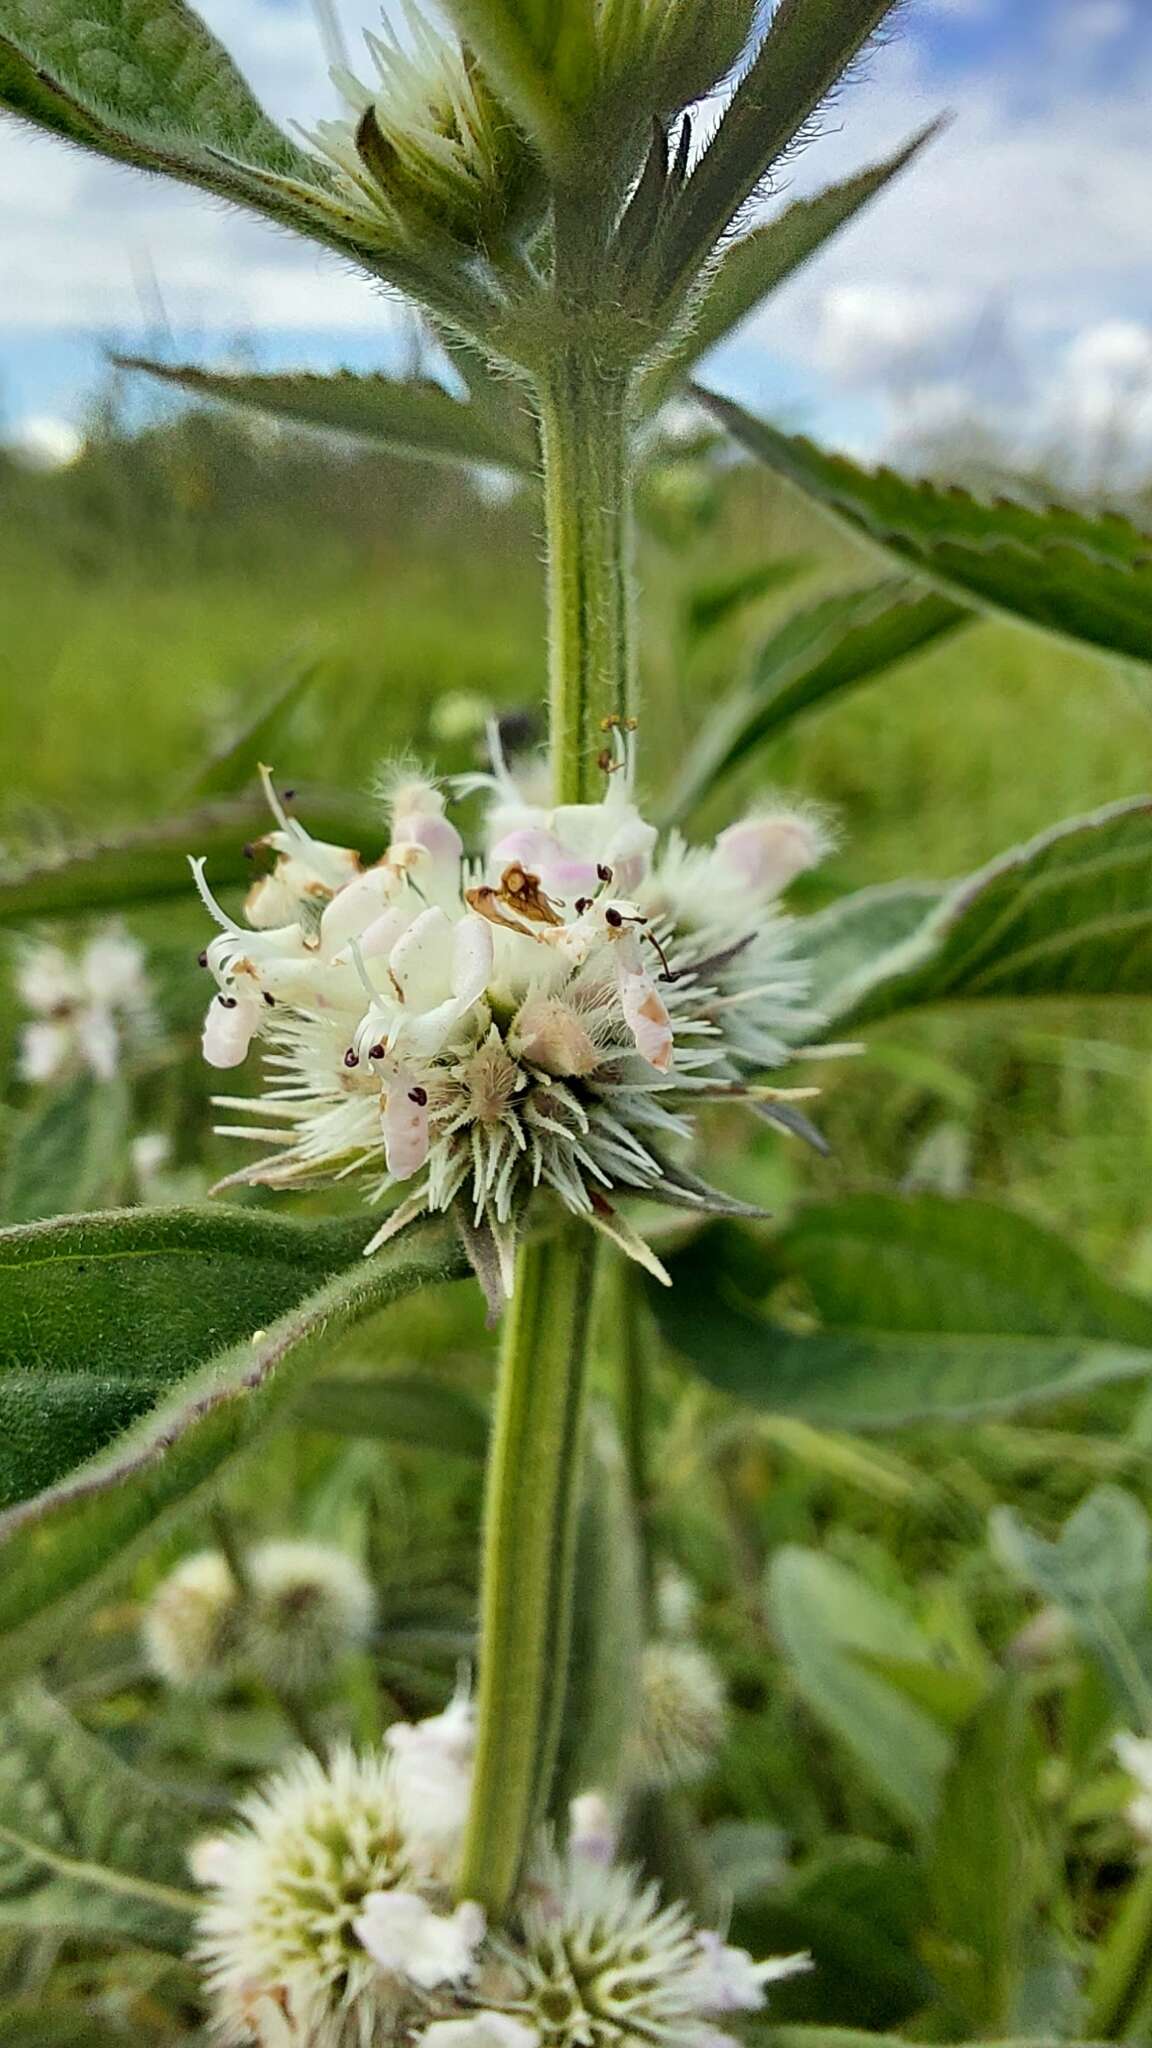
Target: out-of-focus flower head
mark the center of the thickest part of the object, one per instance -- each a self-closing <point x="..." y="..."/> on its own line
<point x="88" y="1005"/>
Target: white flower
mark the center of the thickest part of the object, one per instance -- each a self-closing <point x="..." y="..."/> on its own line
<point x="727" y="1980"/>
<point x="86" y="1005"/>
<point x="1134" y="1754"/>
<point x="315" y="1856"/>
<point x="191" y="1623"/>
<point x="480" y="2030"/>
<point x="429" y="146"/>
<point x="550" y="1018"/>
<point x="600" y="1961"/>
<point x="683" y="1712"/>
<point x="304" y="1607"/>
<point x="433" y="1770"/>
<point x="593" y="1830"/>
<point x="308" y="1606"/>
<point x="404" y="1936"/>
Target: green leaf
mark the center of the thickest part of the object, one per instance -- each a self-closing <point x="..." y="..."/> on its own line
<point x="845" y="940"/>
<point x="101" y="1316"/>
<point x="1067" y="915"/>
<point x="144" y="81"/>
<point x="67" y="1151"/>
<point x="713" y="603"/>
<point x="985" y="1867"/>
<point x="850" y="2037"/>
<point x="149" y="863"/>
<point x="842" y="641"/>
<point x="824" y="1618"/>
<point x="805" y="50"/>
<point x="103" y="1850"/>
<point x="235" y="761"/>
<point x="931" y="1308"/>
<point x="411" y="416"/>
<point x="58" y="1549"/>
<point x="401" y="1408"/>
<point x="759" y="263"/>
<point x="858" y="1909"/>
<point x="1097" y="1571"/>
<point x="1086" y="578"/>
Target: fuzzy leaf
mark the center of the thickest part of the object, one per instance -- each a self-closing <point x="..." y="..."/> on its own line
<point x="234" y="762"/>
<point x="411" y="416"/>
<point x="714" y="602"/>
<point x="984" y="1867"/>
<point x="826" y="1619"/>
<point x="67" y="1151"/>
<point x="834" y="645"/>
<point x="1086" y="578"/>
<point x="1067" y="915"/>
<point x="149" y="863"/>
<point x="929" y="1307"/>
<point x="66" y="1793"/>
<point x="102" y="1316"/>
<point x="401" y="1408"/>
<point x="847" y="938"/>
<point x="1097" y="1571"/>
<point x="85" y="1307"/>
<point x="750" y="269"/>
<point x="805" y="50"/>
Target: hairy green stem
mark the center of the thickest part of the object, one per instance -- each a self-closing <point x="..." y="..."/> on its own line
<point x="529" y="1547"/>
<point x="588" y="515"/>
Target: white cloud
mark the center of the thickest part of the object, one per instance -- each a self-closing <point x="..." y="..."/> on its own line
<point x="1086" y="22"/>
<point x="877" y="333"/>
<point x="42" y="442"/>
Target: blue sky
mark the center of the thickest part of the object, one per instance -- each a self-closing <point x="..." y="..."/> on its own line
<point x="1011" y="273"/>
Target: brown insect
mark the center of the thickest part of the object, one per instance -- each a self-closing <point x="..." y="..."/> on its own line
<point x="519" y="892"/>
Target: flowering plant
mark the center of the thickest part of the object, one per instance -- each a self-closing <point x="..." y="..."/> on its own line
<point x="512" y="1027"/>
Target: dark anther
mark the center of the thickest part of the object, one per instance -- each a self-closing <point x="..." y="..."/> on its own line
<point x="202" y="958"/>
<point x="270" y="1000"/>
<point x="288" y="795"/>
<point x="604" y="873"/>
<point x="227" y="1002"/>
<point x="614" y="918"/>
<point x="604" y="761"/>
<point x="249" y="852"/>
<point x="351" y="1058"/>
<point x="376" y="1052"/>
<point x="583" y="903"/>
<point x="419" y="1096"/>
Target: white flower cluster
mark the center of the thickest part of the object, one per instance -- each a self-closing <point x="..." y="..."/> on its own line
<point x="303" y="1607"/>
<point x="86" y="1006"/>
<point x="331" y="1922"/>
<point x="1134" y="1755"/>
<point x="548" y="1016"/>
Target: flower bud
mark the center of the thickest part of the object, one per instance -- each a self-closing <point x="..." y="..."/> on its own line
<point x="192" y="1623"/>
<point x="308" y="1607"/>
<point x="683" y="1713"/>
<point x="768" y="852"/>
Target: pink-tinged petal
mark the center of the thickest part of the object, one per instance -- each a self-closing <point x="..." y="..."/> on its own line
<point x="770" y="851"/>
<point x="405" y="1123"/>
<point x="229" y="1028"/>
<point x="472" y="954"/>
<point x="645" y="1013"/>
<point x="543" y="854"/>
<point x="436" y="834"/>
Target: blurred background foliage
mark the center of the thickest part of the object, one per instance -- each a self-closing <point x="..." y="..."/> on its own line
<point x="944" y="1825"/>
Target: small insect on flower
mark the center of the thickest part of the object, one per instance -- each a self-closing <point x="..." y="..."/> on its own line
<point x="548" y="1018"/>
<point x="88" y="1007"/>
